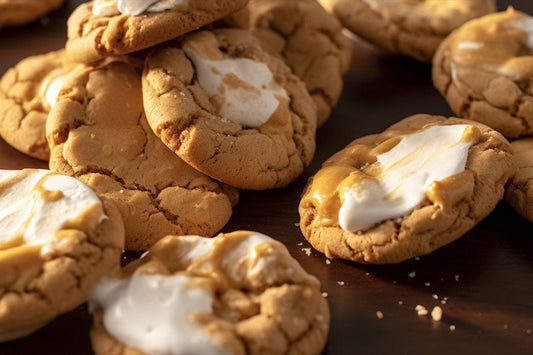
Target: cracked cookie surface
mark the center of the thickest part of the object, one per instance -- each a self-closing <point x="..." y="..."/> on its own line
<point x="19" y="12"/>
<point x="57" y="240"/>
<point x="99" y="134"/>
<point x="414" y="28"/>
<point x="23" y="104"/>
<point x="105" y="31"/>
<point x="237" y="293"/>
<point x="310" y="41"/>
<point x="447" y="208"/>
<point x="484" y="71"/>
<point x="230" y="109"/>
<point x="519" y="190"/>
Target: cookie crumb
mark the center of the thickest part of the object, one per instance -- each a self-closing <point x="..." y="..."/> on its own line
<point x="400" y="302"/>
<point x="417" y="258"/>
<point x="307" y="251"/>
<point x="300" y="244"/>
<point x="456" y="277"/>
<point x="328" y="261"/>
<point x="325" y="294"/>
<point x="367" y="273"/>
<point x="421" y="310"/>
<point x="412" y="274"/>
<point x="435" y="297"/>
<point x="528" y="331"/>
<point x="452" y="327"/>
<point x="436" y="313"/>
<point x="505" y="326"/>
<point x="296" y="224"/>
<point x="379" y="314"/>
<point x="341" y="283"/>
<point x="427" y="284"/>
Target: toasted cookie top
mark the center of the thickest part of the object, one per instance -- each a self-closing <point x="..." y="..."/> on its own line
<point x="99" y="134"/>
<point x="484" y="70"/>
<point x="230" y="109"/>
<point x="237" y="293"/>
<point x="411" y="27"/>
<point x="310" y="41"/>
<point x="53" y="227"/>
<point x="407" y="191"/>
<point x="104" y="28"/>
<point x="27" y="92"/>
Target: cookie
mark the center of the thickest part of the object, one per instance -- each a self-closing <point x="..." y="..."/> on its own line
<point x="27" y="92"/>
<point x="414" y="28"/>
<point x="58" y="239"/>
<point x="484" y="71"/>
<point x="310" y="41"/>
<point x="519" y="190"/>
<point x="419" y="185"/>
<point x="102" y="28"/>
<point x="98" y="133"/>
<point x="238" y="293"/>
<point x="20" y="12"/>
<point x="230" y="109"/>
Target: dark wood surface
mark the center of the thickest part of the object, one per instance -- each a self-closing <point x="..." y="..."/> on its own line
<point x="483" y="281"/>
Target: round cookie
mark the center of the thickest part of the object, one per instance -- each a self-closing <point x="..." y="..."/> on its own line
<point x="99" y="134"/>
<point x="419" y="185"/>
<point x="25" y="101"/>
<point x="58" y="239"/>
<point x="20" y="12"/>
<point x="102" y="28"/>
<point x="310" y="41"/>
<point x="414" y="28"/>
<point x="519" y="190"/>
<point x="238" y="293"/>
<point x="484" y="71"/>
<point x="230" y="109"/>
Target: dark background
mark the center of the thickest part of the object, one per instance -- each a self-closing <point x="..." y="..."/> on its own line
<point x="484" y="278"/>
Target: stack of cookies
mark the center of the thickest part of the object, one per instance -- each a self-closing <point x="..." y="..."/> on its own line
<point x="165" y="109"/>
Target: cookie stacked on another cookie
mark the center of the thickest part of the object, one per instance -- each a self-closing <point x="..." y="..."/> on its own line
<point x="414" y="28"/>
<point x="237" y="293"/>
<point x="415" y="187"/>
<point x="58" y="238"/>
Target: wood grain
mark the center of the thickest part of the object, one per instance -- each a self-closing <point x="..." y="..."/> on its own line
<point x="483" y="282"/>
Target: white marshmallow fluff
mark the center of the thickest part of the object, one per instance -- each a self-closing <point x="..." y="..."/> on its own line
<point x="26" y="213"/>
<point x="249" y="92"/>
<point x="407" y="170"/>
<point x="133" y="7"/>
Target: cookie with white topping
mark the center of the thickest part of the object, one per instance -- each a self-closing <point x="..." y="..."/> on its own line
<point x="230" y="109"/>
<point x="484" y="71"/>
<point x="58" y="239"/>
<point x="237" y="293"/>
<point x="103" y="28"/>
<point x="417" y="186"/>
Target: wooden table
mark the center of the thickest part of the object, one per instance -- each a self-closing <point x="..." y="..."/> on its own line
<point x="483" y="281"/>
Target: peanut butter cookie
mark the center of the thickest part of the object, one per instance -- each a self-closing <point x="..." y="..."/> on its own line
<point x="485" y="71"/>
<point x="230" y="109"/>
<point x="102" y="28"/>
<point x="58" y="238"/>
<point x="27" y="92"/>
<point x="417" y="186"/>
<point x="310" y="41"/>
<point x="20" y="12"/>
<point x="519" y="190"/>
<point x="238" y="293"/>
<point x="414" y="28"/>
<point x="98" y="133"/>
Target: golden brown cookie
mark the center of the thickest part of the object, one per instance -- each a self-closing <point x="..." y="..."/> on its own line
<point x="419" y="185"/>
<point x="414" y="28"/>
<point x="102" y="28"/>
<point x="519" y="190"/>
<point x="26" y="96"/>
<point x="484" y="71"/>
<point x="230" y="109"/>
<point x="58" y="239"/>
<point x="310" y="41"/>
<point x="19" y="12"/>
<point x="238" y="293"/>
<point x="99" y="134"/>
